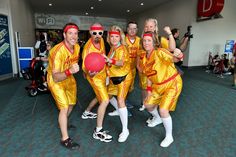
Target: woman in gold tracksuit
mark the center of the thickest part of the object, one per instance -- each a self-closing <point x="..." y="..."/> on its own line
<point x="164" y="83"/>
<point x="118" y="70"/>
<point x="151" y="24"/>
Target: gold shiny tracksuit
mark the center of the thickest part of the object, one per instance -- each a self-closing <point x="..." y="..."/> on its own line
<point x="60" y="59"/>
<point x="122" y="89"/>
<point x="133" y="48"/>
<point x="166" y="81"/>
<point x="141" y="54"/>
<point x="98" y="82"/>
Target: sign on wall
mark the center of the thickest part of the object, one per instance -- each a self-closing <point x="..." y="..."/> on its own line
<point x="209" y="9"/>
<point x="53" y="21"/>
<point x="229" y="45"/>
<point x="5" y="50"/>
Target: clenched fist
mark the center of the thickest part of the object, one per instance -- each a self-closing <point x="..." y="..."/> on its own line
<point x="167" y="30"/>
<point x="74" y="68"/>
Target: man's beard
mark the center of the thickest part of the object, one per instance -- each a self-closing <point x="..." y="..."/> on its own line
<point x="97" y="40"/>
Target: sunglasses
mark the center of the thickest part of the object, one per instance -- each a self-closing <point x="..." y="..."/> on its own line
<point x="99" y="33"/>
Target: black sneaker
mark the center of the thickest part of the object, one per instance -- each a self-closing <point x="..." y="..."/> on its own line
<point x="68" y="143"/>
<point x="102" y="135"/>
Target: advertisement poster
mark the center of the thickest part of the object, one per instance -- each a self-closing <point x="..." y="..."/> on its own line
<point x="5" y="51"/>
<point x="229" y="45"/>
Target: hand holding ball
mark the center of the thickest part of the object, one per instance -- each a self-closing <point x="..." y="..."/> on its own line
<point x="94" y="62"/>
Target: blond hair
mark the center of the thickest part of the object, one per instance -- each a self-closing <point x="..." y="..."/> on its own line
<point x="156" y="31"/>
<point x="116" y="29"/>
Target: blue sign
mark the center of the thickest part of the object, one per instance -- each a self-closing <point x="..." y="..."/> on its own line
<point x="5" y="50"/>
<point x="229" y="46"/>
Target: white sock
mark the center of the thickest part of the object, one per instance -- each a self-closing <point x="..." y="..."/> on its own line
<point x="155" y="113"/>
<point x="124" y="118"/>
<point x="114" y="103"/>
<point x="167" y="122"/>
<point x="98" y="129"/>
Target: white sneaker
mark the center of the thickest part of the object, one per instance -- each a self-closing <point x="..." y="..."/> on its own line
<point x="45" y="84"/>
<point x="88" y="115"/>
<point x="142" y="108"/>
<point x="114" y="113"/>
<point x="123" y="136"/>
<point x="149" y="120"/>
<point x="154" y="122"/>
<point x="167" y="141"/>
<point x="102" y="135"/>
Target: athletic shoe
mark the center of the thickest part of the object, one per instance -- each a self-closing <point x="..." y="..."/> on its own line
<point x="42" y="88"/>
<point x="68" y="143"/>
<point x="123" y="136"/>
<point x="142" y="108"/>
<point x="167" y="141"/>
<point x="88" y="115"/>
<point x="154" y="122"/>
<point x="114" y="113"/>
<point x="102" y="135"/>
<point x="220" y="76"/>
<point x="149" y="120"/>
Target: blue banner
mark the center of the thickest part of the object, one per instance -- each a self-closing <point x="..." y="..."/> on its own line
<point x="5" y="50"/>
<point x="229" y="45"/>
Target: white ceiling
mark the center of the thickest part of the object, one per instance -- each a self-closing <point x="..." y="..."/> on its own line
<point x="103" y="8"/>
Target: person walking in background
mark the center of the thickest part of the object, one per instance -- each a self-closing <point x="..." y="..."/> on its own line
<point x="63" y="63"/>
<point x="44" y="58"/>
<point x="180" y="43"/>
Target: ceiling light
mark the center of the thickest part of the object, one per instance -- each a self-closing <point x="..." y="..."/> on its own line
<point x="141" y="3"/>
<point x="99" y="0"/>
<point x="50" y="4"/>
<point x="86" y="13"/>
<point x="128" y="11"/>
<point x="91" y="8"/>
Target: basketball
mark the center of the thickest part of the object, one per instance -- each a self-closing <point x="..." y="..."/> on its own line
<point x="94" y="62"/>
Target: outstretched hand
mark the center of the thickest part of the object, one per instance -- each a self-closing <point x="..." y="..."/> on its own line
<point x="107" y="60"/>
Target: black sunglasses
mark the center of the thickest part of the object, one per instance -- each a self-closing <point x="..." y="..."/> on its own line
<point x="99" y="33"/>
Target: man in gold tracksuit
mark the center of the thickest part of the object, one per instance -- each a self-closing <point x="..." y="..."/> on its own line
<point x="98" y="82"/>
<point x="63" y="63"/>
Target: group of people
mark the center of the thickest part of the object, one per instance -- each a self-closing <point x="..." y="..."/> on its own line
<point x="221" y="64"/>
<point x="153" y="56"/>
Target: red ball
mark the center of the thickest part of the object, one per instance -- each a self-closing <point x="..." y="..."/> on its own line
<point x="94" y="62"/>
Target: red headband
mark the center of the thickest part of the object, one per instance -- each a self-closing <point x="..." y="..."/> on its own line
<point x="114" y="32"/>
<point x="147" y="34"/>
<point x="70" y="26"/>
<point x="94" y="28"/>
